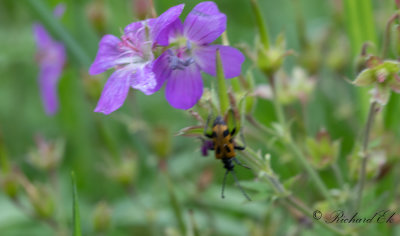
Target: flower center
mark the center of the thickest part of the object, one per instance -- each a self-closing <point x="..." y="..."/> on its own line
<point x="180" y="60"/>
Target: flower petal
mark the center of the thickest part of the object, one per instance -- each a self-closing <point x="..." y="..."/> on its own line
<point x="59" y="10"/>
<point x="184" y="87"/>
<point x="49" y="76"/>
<point x="231" y="58"/>
<point x="205" y="23"/>
<point x="164" y="21"/>
<point x="136" y="31"/>
<point x="144" y="79"/>
<point x="161" y="69"/>
<point x="42" y="37"/>
<point x="175" y="29"/>
<point x="107" y="55"/>
<point x="114" y="92"/>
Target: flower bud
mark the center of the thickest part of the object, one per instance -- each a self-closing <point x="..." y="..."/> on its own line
<point x="383" y="75"/>
<point x="322" y="151"/>
<point x="124" y="171"/>
<point x="141" y="8"/>
<point x="270" y="60"/>
<point x="96" y="13"/>
<point x="9" y="184"/>
<point x="161" y="142"/>
<point x="41" y="199"/>
<point x="47" y="155"/>
<point x="377" y="160"/>
<point x="102" y="217"/>
<point x="338" y="58"/>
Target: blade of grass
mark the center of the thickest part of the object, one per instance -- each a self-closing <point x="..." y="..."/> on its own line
<point x="55" y="27"/>
<point x="75" y="208"/>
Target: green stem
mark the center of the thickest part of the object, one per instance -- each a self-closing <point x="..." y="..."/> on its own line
<point x="262" y="27"/>
<point x="269" y="176"/>
<point x="288" y="140"/>
<point x="176" y="205"/>
<point x="386" y="40"/>
<point x="311" y="172"/>
<point x="75" y="207"/>
<point x="365" y="155"/>
<point x="59" y="31"/>
<point x="221" y="86"/>
<point x="338" y="174"/>
<point x="275" y="99"/>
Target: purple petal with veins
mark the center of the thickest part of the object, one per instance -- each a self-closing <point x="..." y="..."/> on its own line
<point x="132" y="57"/>
<point x="191" y="53"/>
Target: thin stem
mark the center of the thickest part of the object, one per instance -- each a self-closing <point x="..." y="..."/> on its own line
<point x="311" y="172"/>
<point x="49" y="221"/>
<point x="262" y="27"/>
<point x="275" y="99"/>
<point x="293" y="147"/>
<point x="386" y="40"/>
<point x="338" y="174"/>
<point x="365" y="156"/>
<point x="279" y="189"/>
<point x="259" y="126"/>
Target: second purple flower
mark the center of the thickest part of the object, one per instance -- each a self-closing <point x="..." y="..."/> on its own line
<point x="191" y="52"/>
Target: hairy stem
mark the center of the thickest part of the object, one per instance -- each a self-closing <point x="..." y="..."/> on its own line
<point x="365" y="156"/>
<point x="310" y="170"/>
<point x="386" y="40"/>
<point x="291" y="145"/>
<point x="264" y="172"/>
<point x="275" y="99"/>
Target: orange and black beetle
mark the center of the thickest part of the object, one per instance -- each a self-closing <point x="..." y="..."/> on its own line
<point x="224" y="147"/>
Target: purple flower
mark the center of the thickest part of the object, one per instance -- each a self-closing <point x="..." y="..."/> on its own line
<point x="132" y="57"/>
<point x="51" y="56"/>
<point x="207" y="145"/>
<point x="181" y="65"/>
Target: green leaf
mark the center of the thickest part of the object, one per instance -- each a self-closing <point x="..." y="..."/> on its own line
<point x="75" y="208"/>
<point x="231" y="121"/>
<point x="221" y="86"/>
<point x="365" y="78"/>
<point x="192" y="131"/>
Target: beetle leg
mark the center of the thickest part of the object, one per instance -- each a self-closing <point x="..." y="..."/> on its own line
<point x="243" y="141"/>
<point x="233" y="131"/>
<point x="223" y="184"/>
<point x="240" y="187"/>
<point x="240" y="163"/>
<point x="241" y="148"/>
<point x="206" y="126"/>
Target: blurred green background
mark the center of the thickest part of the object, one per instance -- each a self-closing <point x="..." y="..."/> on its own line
<point x="144" y="127"/>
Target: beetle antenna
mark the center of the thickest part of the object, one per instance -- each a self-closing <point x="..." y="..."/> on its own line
<point x="240" y="187"/>
<point x="223" y="184"/>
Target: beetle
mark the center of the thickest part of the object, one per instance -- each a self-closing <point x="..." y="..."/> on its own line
<point x="224" y="147"/>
